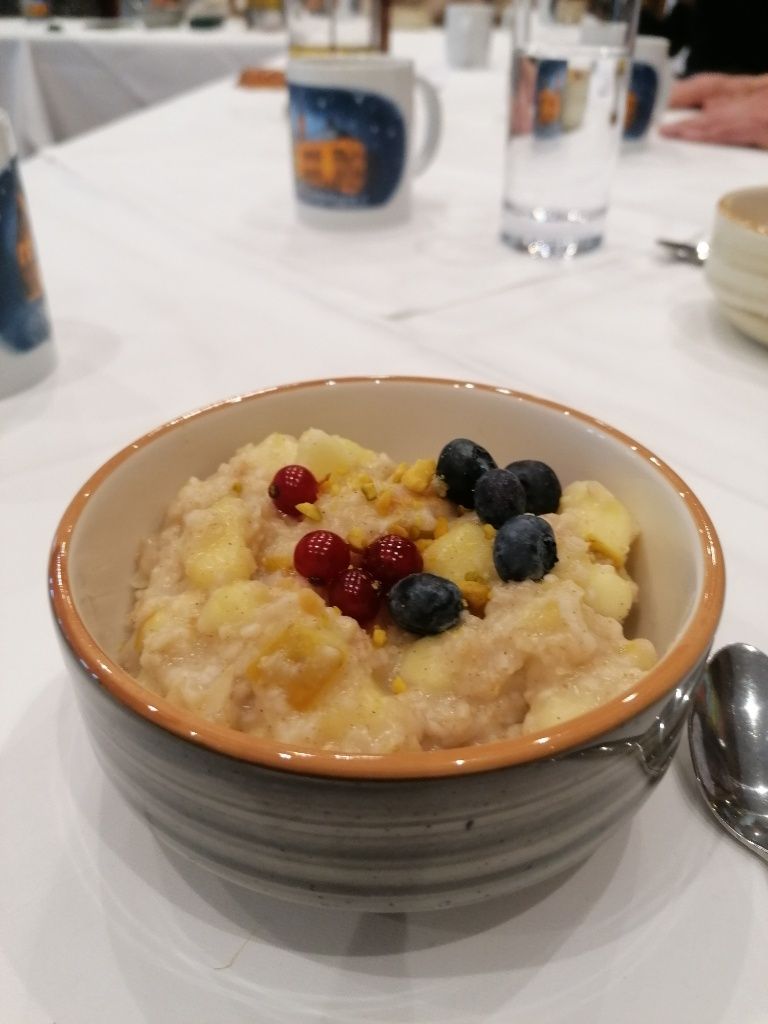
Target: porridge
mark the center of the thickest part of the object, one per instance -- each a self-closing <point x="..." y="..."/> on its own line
<point x="320" y="594"/>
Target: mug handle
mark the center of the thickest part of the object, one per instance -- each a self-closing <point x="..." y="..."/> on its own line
<point x="434" y="126"/>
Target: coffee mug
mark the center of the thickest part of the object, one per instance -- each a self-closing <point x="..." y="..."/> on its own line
<point x="352" y="138"/>
<point x="468" y="34"/>
<point x="649" y="84"/>
<point x="26" y="351"/>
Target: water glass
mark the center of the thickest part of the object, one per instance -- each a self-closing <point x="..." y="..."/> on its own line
<point x="317" y="28"/>
<point x="468" y="34"/>
<point x="570" y="67"/>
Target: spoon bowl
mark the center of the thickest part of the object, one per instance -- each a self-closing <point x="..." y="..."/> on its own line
<point x="728" y="734"/>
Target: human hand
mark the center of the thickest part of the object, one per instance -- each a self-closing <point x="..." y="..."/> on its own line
<point x="521" y="113"/>
<point x="739" y="119"/>
<point x="698" y="90"/>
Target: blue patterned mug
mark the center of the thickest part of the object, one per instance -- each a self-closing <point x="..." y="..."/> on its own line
<point x="649" y="83"/>
<point x="351" y="125"/>
<point x="26" y="351"/>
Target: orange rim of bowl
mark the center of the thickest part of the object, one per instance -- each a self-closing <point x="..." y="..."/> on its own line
<point x="674" y="666"/>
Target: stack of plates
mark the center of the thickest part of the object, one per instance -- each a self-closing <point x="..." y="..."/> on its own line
<point x="737" y="267"/>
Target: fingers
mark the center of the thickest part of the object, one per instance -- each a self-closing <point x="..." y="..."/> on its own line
<point x="724" y="125"/>
<point x="694" y="129"/>
<point x="695" y="91"/>
<point x="699" y="90"/>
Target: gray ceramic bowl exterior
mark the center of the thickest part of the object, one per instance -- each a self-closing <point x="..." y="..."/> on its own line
<point x="399" y="832"/>
<point x="380" y="845"/>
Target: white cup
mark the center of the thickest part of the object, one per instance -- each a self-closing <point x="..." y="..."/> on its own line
<point x="352" y="138"/>
<point x="26" y="350"/>
<point x="468" y="34"/>
<point x="649" y="83"/>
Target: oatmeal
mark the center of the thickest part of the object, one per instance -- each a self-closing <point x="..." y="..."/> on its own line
<point x="320" y="594"/>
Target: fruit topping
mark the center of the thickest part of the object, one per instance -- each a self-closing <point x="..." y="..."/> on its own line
<point x="389" y="558"/>
<point x="460" y="464"/>
<point x="320" y="556"/>
<point x="499" y="495"/>
<point x="292" y="486"/>
<point x="524" y="549"/>
<point x="356" y="594"/>
<point x="540" y="483"/>
<point x="425" y="604"/>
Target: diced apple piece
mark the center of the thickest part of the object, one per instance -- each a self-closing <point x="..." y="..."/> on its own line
<point x="368" y="710"/>
<point x="607" y="592"/>
<point x="231" y="605"/>
<point x="552" y="707"/>
<point x="464" y="552"/>
<point x="423" y="666"/>
<point x="158" y="620"/>
<point x="641" y="653"/>
<point x="276" y="451"/>
<point x="600" y="519"/>
<point x="302" y="660"/>
<point x="541" y="615"/>
<point x="215" y="551"/>
<point x="324" y="454"/>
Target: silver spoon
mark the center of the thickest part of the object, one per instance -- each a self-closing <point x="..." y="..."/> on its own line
<point x="687" y="252"/>
<point x="728" y="735"/>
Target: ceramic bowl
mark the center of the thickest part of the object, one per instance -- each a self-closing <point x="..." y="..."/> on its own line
<point x="737" y="267"/>
<point x="402" y="831"/>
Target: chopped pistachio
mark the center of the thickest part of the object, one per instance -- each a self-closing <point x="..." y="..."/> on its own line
<point x="418" y="477"/>
<point x="398" y="685"/>
<point x="310" y="510"/>
<point x="476" y="595"/>
<point x="379" y="636"/>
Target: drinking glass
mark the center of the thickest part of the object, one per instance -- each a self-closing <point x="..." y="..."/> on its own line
<point x="570" y="67"/>
<point x="318" y="28"/>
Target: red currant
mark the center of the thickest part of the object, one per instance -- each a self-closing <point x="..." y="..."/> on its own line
<point x="389" y="558"/>
<point x="355" y="594"/>
<point x="291" y="486"/>
<point x="320" y="556"/>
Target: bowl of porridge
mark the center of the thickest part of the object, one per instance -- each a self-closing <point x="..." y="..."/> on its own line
<point x="386" y="644"/>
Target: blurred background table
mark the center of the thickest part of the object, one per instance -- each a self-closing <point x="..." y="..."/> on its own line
<point x="177" y="275"/>
<point x="55" y="85"/>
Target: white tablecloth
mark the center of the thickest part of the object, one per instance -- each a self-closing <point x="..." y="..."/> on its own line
<point x="59" y="84"/>
<point x="177" y="275"/>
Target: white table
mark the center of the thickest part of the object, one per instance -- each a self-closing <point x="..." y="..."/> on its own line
<point x="59" y="84"/>
<point x="174" y="283"/>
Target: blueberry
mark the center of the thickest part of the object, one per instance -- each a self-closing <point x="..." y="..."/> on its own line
<point x="460" y="464"/>
<point x="541" y="486"/>
<point x="499" y="495"/>
<point x="425" y="604"/>
<point x="524" y="549"/>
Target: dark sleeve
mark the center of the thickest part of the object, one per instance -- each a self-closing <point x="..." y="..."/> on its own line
<point x="675" y="26"/>
<point x="730" y="36"/>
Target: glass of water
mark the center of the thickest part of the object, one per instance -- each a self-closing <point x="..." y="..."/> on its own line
<point x="570" y="65"/>
<point x="318" y="28"/>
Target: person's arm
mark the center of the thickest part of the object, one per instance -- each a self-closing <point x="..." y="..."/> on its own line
<point x="699" y="90"/>
<point x="675" y="26"/>
<point x="728" y="119"/>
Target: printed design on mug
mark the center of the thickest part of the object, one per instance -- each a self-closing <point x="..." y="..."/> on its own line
<point x="348" y="147"/>
<point x="641" y="98"/>
<point x="548" y="98"/>
<point x="575" y="98"/>
<point x="23" y="318"/>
